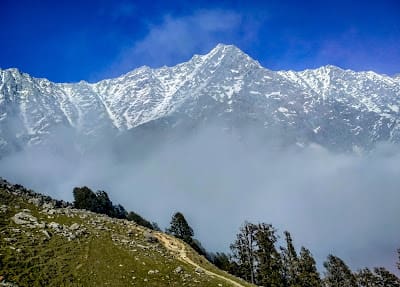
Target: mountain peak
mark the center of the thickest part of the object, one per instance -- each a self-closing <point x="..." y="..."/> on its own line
<point x="226" y="49"/>
<point x="224" y="83"/>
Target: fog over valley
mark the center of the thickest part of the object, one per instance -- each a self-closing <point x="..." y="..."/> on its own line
<point x="331" y="202"/>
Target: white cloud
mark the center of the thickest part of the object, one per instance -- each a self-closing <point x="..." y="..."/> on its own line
<point x="176" y="39"/>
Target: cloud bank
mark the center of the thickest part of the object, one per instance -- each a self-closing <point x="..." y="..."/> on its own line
<point x="331" y="203"/>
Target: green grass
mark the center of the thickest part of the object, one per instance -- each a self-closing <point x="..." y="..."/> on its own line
<point x="31" y="259"/>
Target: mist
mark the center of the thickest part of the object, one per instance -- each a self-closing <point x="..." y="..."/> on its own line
<point x="344" y="204"/>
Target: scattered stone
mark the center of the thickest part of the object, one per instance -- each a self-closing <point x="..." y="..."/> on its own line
<point x="46" y="234"/>
<point x="199" y="270"/>
<point x="150" y="238"/>
<point x="41" y="225"/>
<point x="74" y="227"/>
<point x="23" y="218"/>
<point x="3" y="208"/>
<point x="10" y="240"/>
<point x="51" y="212"/>
<point x="48" y="205"/>
<point x="54" y="225"/>
<point x="35" y="200"/>
<point x="178" y="270"/>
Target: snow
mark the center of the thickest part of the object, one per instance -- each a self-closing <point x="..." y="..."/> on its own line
<point x="226" y="74"/>
<point x="283" y="110"/>
<point x="317" y="129"/>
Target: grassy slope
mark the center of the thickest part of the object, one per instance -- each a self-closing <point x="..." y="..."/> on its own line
<point x="109" y="256"/>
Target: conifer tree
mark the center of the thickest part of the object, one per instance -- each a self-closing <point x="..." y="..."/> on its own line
<point x="366" y="278"/>
<point x="386" y="278"/>
<point x="338" y="274"/>
<point x="243" y="250"/>
<point x="379" y="278"/>
<point x="269" y="268"/>
<point x="398" y="262"/>
<point x="308" y="275"/>
<point x="133" y="216"/>
<point x="180" y="228"/>
<point x="84" y="198"/>
<point x="103" y="203"/>
<point x="290" y="262"/>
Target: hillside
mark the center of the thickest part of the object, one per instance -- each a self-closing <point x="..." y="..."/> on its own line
<point x="45" y="242"/>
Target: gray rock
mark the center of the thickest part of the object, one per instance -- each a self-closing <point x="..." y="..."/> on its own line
<point x="51" y="211"/>
<point x="178" y="270"/>
<point x="3" y="208"/>
<point x="199" y="270"/>
<point x="23" y="218"/>
<point x="48" y="205"/>
<point x="150" y="237"/>
<point x="46" y="234"/>
<point x="10" y="239"/>
<point x="35" y="200"/>
<point x="54" y="225"/>
<point x="74" y="226"/>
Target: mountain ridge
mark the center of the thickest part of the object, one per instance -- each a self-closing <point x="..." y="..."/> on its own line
<point x="225" y="82"/>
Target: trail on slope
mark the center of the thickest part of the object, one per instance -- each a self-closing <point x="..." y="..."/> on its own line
<point x="174" y="245"/>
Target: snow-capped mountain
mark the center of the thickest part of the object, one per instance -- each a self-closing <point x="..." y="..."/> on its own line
<point x="329" y="106"/>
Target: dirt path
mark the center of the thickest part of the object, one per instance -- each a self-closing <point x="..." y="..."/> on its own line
<point x="174" y="245"/>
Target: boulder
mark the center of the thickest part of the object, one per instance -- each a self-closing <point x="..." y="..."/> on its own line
<point x="74" y="227"/>
<point x="22" y="218"/>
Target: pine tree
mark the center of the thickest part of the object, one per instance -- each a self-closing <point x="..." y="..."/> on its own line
<point x="308" y="275"/>
<point x="118" y="211"/>
<point x="379" y="278"/>
<point x="366" y="278"/>
<point x="180" y="228"/>
<point x="103" y="203"/>
<point x="269" y="268"/>
<point x="290" y="262"/>
<point x="398" y="262"/>
<point x="84" y="198"/>
<point x="338" y="274"/>
<point x="386" y="278"/>
<point x="222" y="261"/>
<point x="243" y="250"/>
<point x="133" y="216"/>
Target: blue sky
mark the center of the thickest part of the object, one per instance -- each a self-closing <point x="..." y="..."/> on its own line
<point x="90" y="40"/>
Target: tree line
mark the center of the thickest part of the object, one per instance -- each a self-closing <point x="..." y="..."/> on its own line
<point x="99" y="202"/>
<point x="256" y="258"/>
<point x="255" y="255"/>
